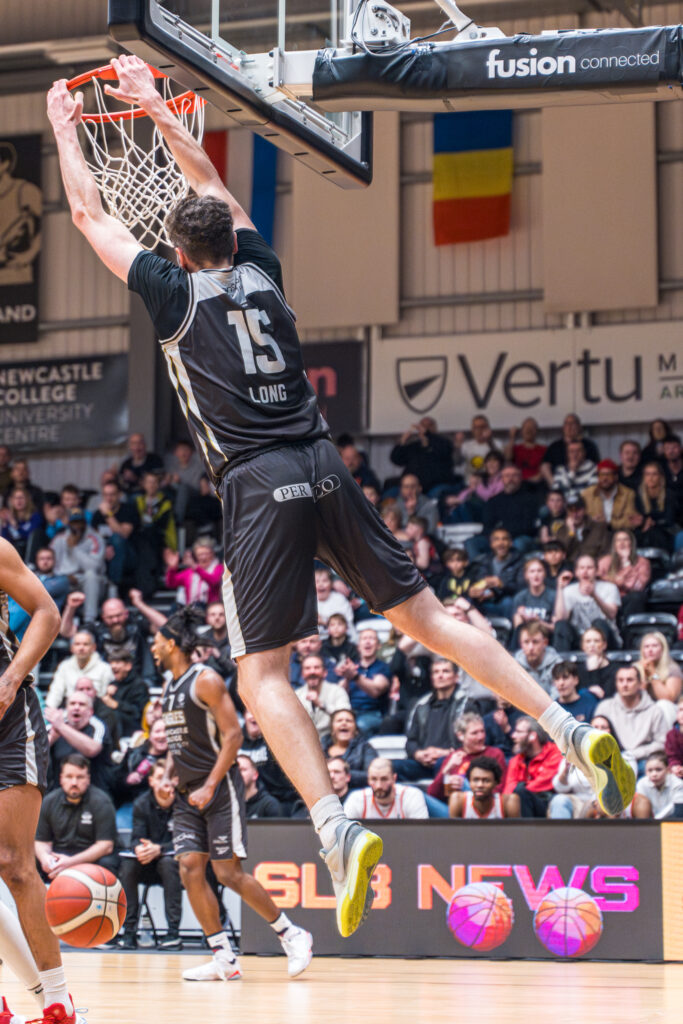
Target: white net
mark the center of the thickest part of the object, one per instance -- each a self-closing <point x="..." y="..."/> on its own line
<point x="133" y="166"/>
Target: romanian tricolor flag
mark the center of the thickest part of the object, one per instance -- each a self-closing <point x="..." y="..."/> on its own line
<point x="472" y="175"/>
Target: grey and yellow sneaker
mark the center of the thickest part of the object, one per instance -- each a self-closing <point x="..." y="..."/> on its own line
<point x="352" y="862"/>
<point x="598" y="756"/>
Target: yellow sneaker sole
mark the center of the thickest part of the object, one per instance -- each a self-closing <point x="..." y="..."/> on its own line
<point x="614" y="779"/>
<point x="354" y="904"/>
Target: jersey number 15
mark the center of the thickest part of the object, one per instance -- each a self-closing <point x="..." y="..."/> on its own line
<point x="247" y="324"/>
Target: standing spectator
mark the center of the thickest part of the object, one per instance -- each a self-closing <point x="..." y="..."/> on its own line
<point x="320" y="698"/>
<point x="22" y="523"/>
<point x="384" y="797"/>
<point x="77" y="731"/>
<point x="56" y="585"/>
<point x="580" y="703"/>
<point x="157" y="532"/>
<point x="484" y="800"/>
<point x="412" y="502"/>
<point x="80" y="555"/>
<point x="500" y="726"/>
<point x="588" y="602"/>
<point x="552" y="516"/>
<point x="367" y="682"/>
<point x="557" y="455"/>
<point x="659" y="786"/>
<point x="536" y="602"/>
<point x="431" y="723"/>
<point x="340" y="777"/>
<point x="483" y="484"/>
<point x="139" y="462"/>
<point x="470" y="733"/>
<point x="459" y="577"/>
<point x="637" y="720"/>
<point x="496" y="575"/>
<point x="77" y="823"/>
<point x="597" y="673"/>
<point x="270" y="772"/>
<point x="330" y="601"/>
<point x="127" y="694"/>
<point x="357" y="465"/>
<point x="471" y="452"/>
<point x="659" y="673"/>
<point x="150" y="860"/>
<point x="116" y="520"/>
<point x="184" y="472"/>
<point x="673" y="745"/>
<point x="629" y="464"/>
<point x="84" y="661"/>
<point x="338" y="646"/>
<point x="578" y="473"/>
<point x="628" y="570"/>
<point x="515" y="508"/>
<point x="580" y="535"/>
<point x="536" y="655"/>
<point x="655" y="510"/>
<point x="608" y="501"/>
<point x="532" y="768"/>
<point x="654" y="449"/>
<point x="258" y="803"/>
<point x="202" y="575"/>
<point x="346" y="742"/>
<point x="426" y="454"/>
<point x="527" y="454"/>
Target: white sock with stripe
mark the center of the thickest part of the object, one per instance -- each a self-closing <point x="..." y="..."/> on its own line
<point x="15" y="952"/>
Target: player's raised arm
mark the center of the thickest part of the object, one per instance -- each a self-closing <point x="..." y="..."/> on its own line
<point x="136" y="85"/>
<point x="113" y="243"/>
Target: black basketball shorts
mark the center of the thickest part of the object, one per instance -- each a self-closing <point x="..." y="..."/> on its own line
<point x="24" y="747"/>
<point x="218" y="829"/>
<point x="282" y="510"/>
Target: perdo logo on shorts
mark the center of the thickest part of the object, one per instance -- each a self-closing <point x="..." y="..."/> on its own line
<point x="304" y="490"/>
<point x="532" y="65"/>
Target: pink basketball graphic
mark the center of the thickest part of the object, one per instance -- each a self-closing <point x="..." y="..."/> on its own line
<point x="568" y="922"/>
<point x="480" y="916"/>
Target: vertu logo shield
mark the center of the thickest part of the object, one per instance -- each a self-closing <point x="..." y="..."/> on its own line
<point x="421" y="382"/>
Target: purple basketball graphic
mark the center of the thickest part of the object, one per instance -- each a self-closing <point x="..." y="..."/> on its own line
<point x="480" y="916"/>
<point x="568" y="922"/>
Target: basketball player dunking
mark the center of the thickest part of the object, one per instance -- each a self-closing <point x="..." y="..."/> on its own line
<point x="204" y="737"/>
<point x="32" y="951"/>
<point x="234" y="357"/>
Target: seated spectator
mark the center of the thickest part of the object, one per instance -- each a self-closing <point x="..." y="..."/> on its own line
<point x="483" y="484"/>
<point x="80" y="555"/>
<point x="656" y="510"/>
<point x="271" y="774"/>
<point x="579" y="703"/>
<point x="431" y="723"/>
<point x="608" y="501"/>
<point x="337" y="646"/>
<point x="580" y="535"/>
<point x="257" y="802"/>
<point x="320" y="698"/>
<point x="78" y="731"/>
<point x="5" y="470"/>
<point x="346" y="741"/>
<point x="113" y="630"/>
<point x="152" y="712"/>
<point x="470" y="452"/>
<point x="410" y="667"/>
<point x="484" y="799"/>
<point x="578" y="473"/>
<point x="551" y="516"/>
<point x="83" y="661"/>
<point x="392" y="520"/>
<point x="372" y="494"/>
<point x="659" y="674"/>
<point x="673" y="470"/>
<point x="423" y="550"/>
<point x="77" y="823"/>
<point x="201" y="575"/>
<point x="383" y="797"/>
<point x="673" y="745"/>
<point x="574" y="796"/>
<point x="138" y="462"/>
<point x="426" y="454"/>
<point x="150" y="859"/>
<point x="127" y="695"/>
<point x="330" y="601"/>
<point x="597" y="673"/>
<point x="301" y="649"/>
<point x="156" y="533"/>
<point x="500" y="726"/>
<point x="536" y="655"/>
<point x="639" y="722"/>
<point x="628" y="570"/>
<point x="659" y="786"/>
<point x="367" y="682"/>
<point x="22" y="524"/>
<point x="496" y="575"/>
<point x="21" y="477"/>
<point x="555" y="561"/>
<point x="412" y="502"/>
<point x="654" y="449"/>
<point x="629" y="464"/>
<point x="526" y="453"/>
<point x="459" y="577"/>
<point x="470" y="735"/>
<point x="557" y="452"/>
<point x="585" y="603"/>
<point x="100" y="709"/>
<point x="138" y="764"/>
<point x="515" y="509"/>
<point x="532" y="768"/>
<point x="57" y="513"/>
<point x="207" y="512"/>
<point x="340" y="777"/>
<point x="56" y="585"/>
<point x="116" y="521"/>
<point x="536" y="602"/>
<point x="184" y="471"/>
<point x="357" y="465"/>
<point x="479" y="697"/>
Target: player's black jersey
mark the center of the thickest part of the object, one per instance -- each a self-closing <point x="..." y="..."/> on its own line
<point x="8" y="642"/>
<point x="232" y="352"/>
<point x="193" y="736"/>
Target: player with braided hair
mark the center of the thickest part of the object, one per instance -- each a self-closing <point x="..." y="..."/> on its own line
<point x="204" y="737"/>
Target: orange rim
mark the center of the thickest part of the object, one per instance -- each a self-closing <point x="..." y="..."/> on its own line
<point x="185" y="103"/>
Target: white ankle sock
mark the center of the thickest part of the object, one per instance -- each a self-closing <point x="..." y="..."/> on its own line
<point x="326" y="815"/>
<point x="220" y="946"/>
<point x="559" y="724"/>
<point x="55" y="990"/>
<point x="281" y="925"/>
<point x="14" y="950"/>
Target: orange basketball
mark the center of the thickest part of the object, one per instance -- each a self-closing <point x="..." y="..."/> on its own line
<point x="85" y="905"/>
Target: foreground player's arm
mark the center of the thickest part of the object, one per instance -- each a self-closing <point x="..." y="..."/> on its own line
<point x="210" y="690"/>
<point x="17" y="580"/>
<point x="113" y="243"/>
<point x="136" y="85"/>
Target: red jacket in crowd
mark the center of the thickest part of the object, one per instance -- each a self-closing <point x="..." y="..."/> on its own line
<point x="537" y="774"/>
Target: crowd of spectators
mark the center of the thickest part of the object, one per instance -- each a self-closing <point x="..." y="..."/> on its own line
<point x="556" y="556"/>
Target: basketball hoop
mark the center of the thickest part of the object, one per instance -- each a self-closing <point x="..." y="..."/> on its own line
<point x="138" y="178"/>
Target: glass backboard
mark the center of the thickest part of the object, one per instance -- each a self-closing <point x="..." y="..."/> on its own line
<point x="231" y="52"/>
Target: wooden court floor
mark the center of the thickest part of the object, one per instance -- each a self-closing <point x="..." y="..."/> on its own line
<point x="138" y="988"/>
